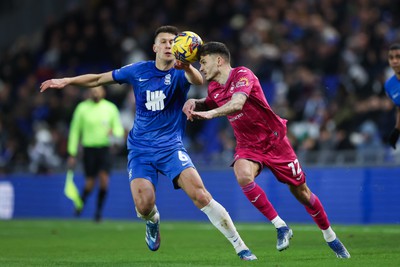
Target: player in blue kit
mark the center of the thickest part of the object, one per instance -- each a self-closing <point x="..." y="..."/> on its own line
<point x="392" y="87"/>
<point x="155" y="141"/>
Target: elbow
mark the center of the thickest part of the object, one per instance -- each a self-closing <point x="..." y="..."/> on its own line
<point x="237" y="107"/>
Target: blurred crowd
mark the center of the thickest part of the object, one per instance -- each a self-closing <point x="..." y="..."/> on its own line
<point x="322" y="65"/>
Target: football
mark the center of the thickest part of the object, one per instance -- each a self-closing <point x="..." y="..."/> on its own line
<point x="186" y="46"/>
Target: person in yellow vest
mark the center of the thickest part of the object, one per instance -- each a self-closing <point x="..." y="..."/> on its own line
<point x="94" y="123"/>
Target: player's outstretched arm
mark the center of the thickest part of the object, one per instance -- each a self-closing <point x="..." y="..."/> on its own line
<point x="232" y="106"/>
<point x="86" y="80"/>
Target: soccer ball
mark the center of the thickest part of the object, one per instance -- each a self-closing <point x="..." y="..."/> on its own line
<point x="186" y="46"/>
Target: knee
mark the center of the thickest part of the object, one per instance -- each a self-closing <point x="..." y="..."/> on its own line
<point x="144" y="203"/>
<point x="244" y="177"/>
<point x="143" y="208"/>
<point x="201" y="198"/>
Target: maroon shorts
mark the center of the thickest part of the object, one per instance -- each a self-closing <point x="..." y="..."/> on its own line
<point x="280" y="158"/>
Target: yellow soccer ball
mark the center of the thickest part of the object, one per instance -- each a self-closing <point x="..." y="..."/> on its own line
<point x="186" y="46"/>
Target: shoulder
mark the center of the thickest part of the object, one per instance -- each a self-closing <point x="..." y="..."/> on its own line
<point x="243" y="76"/>
<point x="392" y="81"/>
<point x="82" y="106"/>
<point x="108" y="103"/>
<point x="132" y="66"/>
<point x="242" y="69"/>
<point x="239" y="72"/>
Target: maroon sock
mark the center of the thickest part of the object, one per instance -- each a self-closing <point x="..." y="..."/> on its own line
<point x="317" y="212"/>
<point x="259" y="199"/>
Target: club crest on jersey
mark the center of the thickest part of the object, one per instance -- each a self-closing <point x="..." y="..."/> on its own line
<point x="167" y="79"/>
<point x="243" y="81"/>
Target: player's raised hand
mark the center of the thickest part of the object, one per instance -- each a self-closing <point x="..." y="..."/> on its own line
<point x="181" y="65"/>
<point x="54" y="83"/>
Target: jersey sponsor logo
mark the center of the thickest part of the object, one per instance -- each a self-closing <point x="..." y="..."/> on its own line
<point x="142" y="80"/>
<point x="236" y="117"/>
<point x="255" y="199"/>
<point x="155" y="100"/>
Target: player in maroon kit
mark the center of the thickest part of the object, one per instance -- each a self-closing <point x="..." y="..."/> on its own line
<point x="260" y="140"/>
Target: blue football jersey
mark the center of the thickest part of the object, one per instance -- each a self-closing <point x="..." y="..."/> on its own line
<point x="160" y="95"/>
<point x="392" y="87"/>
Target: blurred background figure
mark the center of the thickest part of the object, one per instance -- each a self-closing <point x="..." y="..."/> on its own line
<point x="392" y="87"/>
<point x="97" y="126"/>
<point x="42" y="153"/>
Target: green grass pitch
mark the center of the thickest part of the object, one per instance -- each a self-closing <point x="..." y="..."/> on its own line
<point x="121" y="243"/>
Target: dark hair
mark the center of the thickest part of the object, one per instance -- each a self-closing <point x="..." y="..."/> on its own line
<point x="395" y="46"/>
<point x="215" y="48"/>
<point x="168" y="29"/>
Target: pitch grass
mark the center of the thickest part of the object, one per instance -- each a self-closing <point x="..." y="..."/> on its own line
<point x="121" y="243"/>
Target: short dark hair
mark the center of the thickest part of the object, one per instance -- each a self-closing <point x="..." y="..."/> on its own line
<point x="166" y="28"/>
<point x="215" y="48"/>
<point x="395" y="46"/>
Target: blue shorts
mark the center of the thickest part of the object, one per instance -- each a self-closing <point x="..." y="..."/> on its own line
<point x="147" y="165"/>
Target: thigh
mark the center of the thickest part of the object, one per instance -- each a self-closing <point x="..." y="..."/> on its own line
<point x="104" y="159"/>
<point x="89" y="162"/>
<point x="190" y="181"/>
<point x="143" y="194"/>
<point x="142" y="166"/>
<point x="246" y="170"/>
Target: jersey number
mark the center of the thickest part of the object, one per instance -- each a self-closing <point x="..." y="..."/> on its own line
<point x="295" y="166"/>
<point x="183" y="157"/>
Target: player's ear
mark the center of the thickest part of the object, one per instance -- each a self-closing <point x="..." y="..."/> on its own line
<point x="154" y="48"/>
<point x="220" y="60"/>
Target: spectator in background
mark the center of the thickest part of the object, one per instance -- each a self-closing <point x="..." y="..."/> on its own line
<point x="42" y="152"/>
<point x="392" y="87"/>
<point x="94" y="124"/>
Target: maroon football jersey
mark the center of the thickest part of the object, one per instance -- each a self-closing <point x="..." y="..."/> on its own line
<point x="256" y="125"/>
